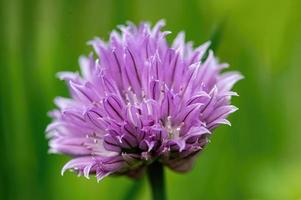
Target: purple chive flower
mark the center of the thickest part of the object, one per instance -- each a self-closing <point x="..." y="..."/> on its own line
<point x="141" y="100"/>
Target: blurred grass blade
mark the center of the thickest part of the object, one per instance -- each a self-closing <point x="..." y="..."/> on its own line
<point x="133" y="191"/>
<point x="215" y="38"/>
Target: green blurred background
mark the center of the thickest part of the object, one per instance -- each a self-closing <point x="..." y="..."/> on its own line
<point x="259" y="157"/>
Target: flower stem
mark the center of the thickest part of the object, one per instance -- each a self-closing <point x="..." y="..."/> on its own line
<point x="156" y="178"/>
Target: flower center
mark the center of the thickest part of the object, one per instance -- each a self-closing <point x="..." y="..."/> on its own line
<point x="173" y="131"/>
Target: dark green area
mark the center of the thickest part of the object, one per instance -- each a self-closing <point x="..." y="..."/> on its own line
<point x="259" y="157"/>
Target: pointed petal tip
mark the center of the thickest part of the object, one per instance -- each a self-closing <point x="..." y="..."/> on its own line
<point x="162" y="22"/>
<point x="67" y="76"/>
<point x="63" y="171"/>
<point x="240" y="76"/>
<point x="94" y="41"/>
<point x="207" y="44"/>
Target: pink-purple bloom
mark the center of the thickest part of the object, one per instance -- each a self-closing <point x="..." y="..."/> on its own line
<point x="140" y="100"/>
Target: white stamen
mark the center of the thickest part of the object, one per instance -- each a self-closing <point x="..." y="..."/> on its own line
<point x="173" y="132"/>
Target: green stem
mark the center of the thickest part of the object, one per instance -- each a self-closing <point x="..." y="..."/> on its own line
<point x="155" y="174"/>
